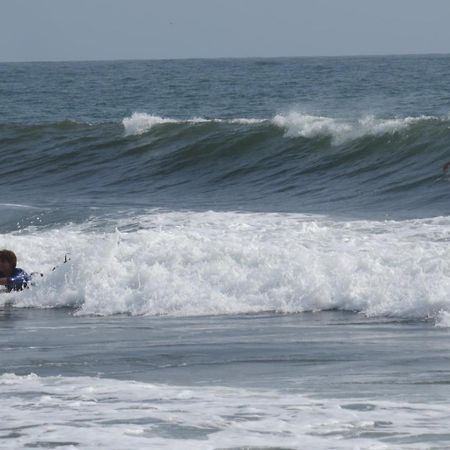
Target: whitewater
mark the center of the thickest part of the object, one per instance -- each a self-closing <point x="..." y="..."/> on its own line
<point x="293" y="418"/>
<point x="188" y="263"/>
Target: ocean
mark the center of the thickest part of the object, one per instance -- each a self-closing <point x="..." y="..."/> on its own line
<point x="257" y="254"/>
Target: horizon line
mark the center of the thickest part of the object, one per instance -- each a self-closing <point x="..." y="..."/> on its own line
<point x="191" y="58"/>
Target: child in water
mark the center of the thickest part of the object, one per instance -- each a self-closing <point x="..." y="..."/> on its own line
<point x="13" y="278"/>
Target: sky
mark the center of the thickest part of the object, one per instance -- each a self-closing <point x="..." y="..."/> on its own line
<point x="55" y="30"/>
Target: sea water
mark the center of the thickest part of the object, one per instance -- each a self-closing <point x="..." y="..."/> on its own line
<point x="257" y="253"/>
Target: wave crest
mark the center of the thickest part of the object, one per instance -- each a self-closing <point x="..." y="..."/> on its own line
<point x="341" y="130"/>
<point x="139" y="123"/>
<point x="295" y="124"/>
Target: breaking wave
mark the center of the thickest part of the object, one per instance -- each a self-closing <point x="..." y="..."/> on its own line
<point x="298" y="162"/>
<point x="139" y="123"/>
<point x="192" y="263"/>
<point x="294" y="123"/>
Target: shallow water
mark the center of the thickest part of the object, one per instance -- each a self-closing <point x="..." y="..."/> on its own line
<point x="330" y="379"/>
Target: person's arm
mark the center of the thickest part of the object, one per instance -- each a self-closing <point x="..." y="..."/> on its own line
<point x="3" y="281"/>
<point x="17" y="282"/>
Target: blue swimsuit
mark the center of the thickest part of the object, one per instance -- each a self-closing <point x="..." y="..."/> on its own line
<point x="17" y="281"/>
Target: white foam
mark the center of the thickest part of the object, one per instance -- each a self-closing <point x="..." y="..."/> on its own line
<point x="18" y="206"/>
<point x="139" y="123"/>
<point x="295" y="123"/>
<point x="341" y="130"/>
<point x="250" y="121"/>
<point x="308" y="126"/>
<point x="85" y="412"/>
<point x="188" y="263"/>
<point x="443" y="319"/>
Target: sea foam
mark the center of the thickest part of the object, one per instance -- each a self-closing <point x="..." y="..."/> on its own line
<point x="342" y="130"/>
<point x="295" y="124"/>
<point x="139" y="123"/>
<point x="193" y="263"/>
<point x="88" y="412"/>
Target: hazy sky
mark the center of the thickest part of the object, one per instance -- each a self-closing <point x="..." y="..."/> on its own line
<point x="35" y="30"/>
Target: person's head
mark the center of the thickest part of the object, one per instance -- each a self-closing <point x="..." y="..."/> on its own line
<point x="8" y="262"/>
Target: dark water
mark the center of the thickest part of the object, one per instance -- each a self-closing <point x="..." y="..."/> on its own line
<point x="258" y="254"/>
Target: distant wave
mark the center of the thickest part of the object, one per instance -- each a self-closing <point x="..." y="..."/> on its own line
<point x="139" y="123"/>
<point x="291" y="160"/>
<point x="295" y="124"/>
